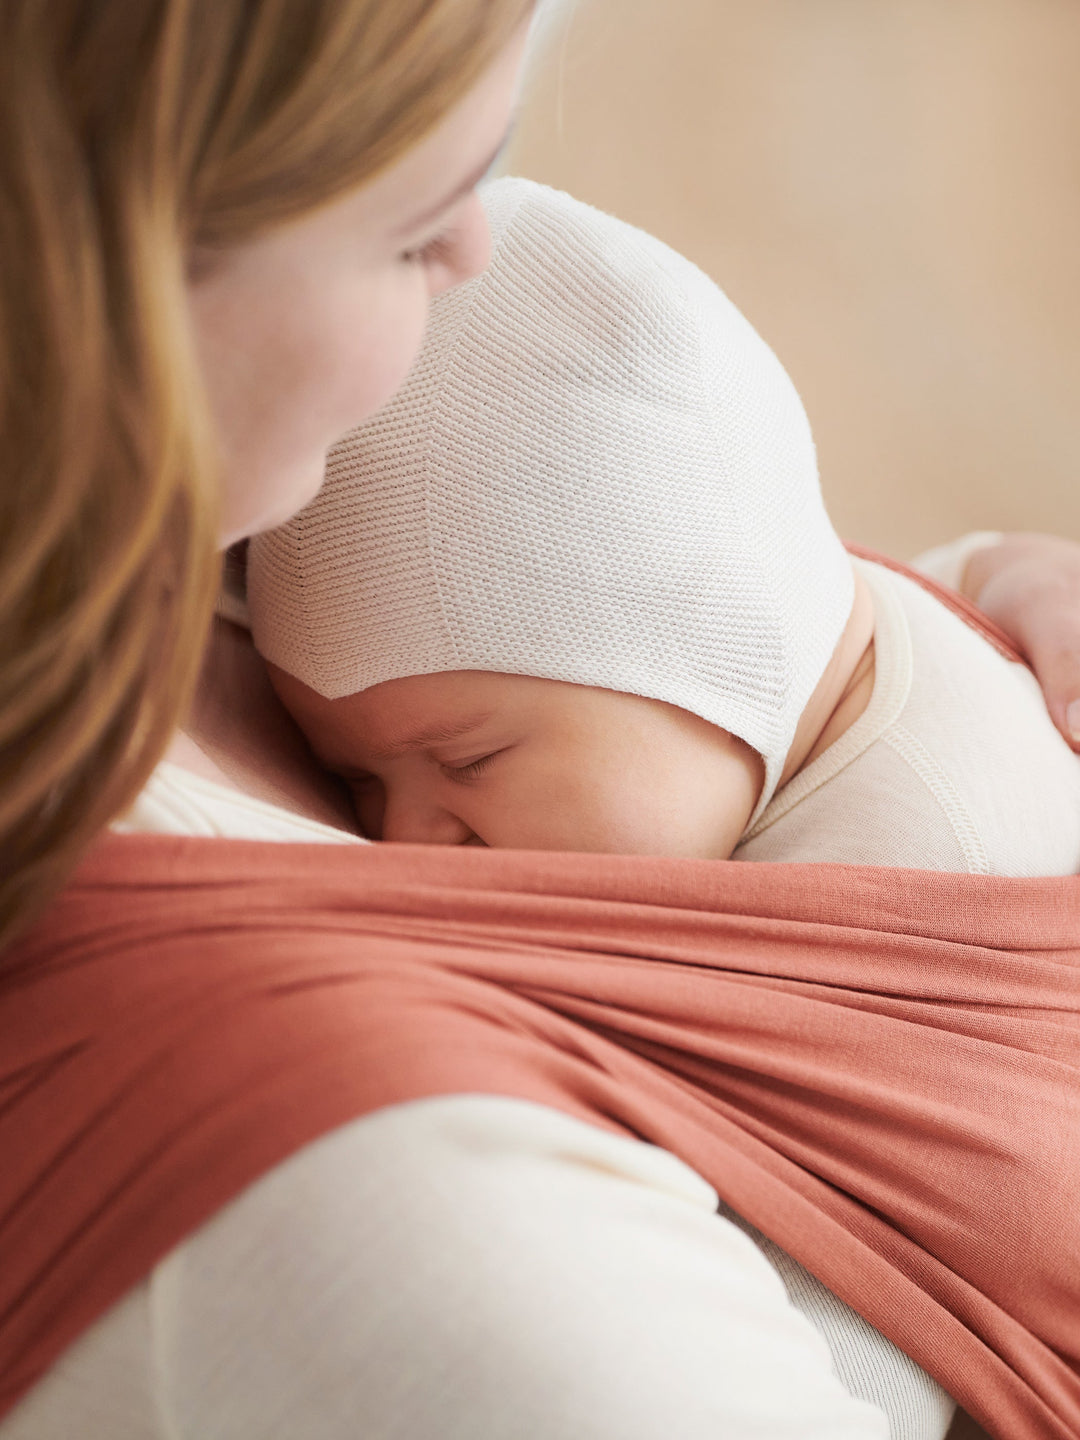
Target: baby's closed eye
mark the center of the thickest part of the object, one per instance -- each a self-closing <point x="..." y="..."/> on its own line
<point x="470" y="769"/>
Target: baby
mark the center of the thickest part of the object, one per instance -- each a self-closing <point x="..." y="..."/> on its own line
<point x="575" y="588"/>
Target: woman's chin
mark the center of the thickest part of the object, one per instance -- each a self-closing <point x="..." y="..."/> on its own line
<point x="288" y="501"/>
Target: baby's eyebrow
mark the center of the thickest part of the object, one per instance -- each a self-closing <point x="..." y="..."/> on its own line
<point x="436" y="734"/>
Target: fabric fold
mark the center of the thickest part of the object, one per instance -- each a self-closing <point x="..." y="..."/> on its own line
<point x="878" y="1069"/>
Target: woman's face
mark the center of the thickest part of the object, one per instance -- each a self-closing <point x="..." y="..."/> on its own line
<point x="306" y="331"/>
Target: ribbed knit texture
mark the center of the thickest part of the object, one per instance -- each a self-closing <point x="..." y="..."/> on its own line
<point x="597" y="472"/>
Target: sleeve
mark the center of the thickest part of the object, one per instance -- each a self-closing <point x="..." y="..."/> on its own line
<point x="477" y="1266"/>
<point x="945" y="563"/>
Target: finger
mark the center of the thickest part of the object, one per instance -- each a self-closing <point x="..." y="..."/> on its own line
<point x="1038" y="605"/>
<point x="1057" y="668"/>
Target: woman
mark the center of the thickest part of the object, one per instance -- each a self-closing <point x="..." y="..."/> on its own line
<point x="223" y="224"/>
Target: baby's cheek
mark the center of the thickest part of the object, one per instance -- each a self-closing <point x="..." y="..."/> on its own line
<point x="643" y="812"/>
<point x="599" y="813"/>
<point x="631" y="824"/>
<point x="517" y="808"/>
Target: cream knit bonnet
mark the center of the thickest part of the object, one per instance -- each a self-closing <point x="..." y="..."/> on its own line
<point x="597" y="472"/>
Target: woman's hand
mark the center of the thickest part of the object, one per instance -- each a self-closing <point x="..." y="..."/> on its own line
<point x="1030" y="586"/>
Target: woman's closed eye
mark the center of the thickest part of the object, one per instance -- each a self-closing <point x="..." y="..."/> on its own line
<point x="439" y="248"/>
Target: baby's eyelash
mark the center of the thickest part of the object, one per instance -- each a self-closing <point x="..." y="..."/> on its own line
<point x="473" y="769"/>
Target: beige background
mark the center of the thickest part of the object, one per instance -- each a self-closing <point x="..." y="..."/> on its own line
<point x="890" y="189"/>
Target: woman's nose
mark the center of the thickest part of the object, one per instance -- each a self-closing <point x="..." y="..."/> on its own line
<point x="414" y="821"/>
<point x="470" y="247"/>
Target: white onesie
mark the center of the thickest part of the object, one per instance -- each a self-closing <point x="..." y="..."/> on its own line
<point x="955" y="764"/>
<point x="475" y="1266"/>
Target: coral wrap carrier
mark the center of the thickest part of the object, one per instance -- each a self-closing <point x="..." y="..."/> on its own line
<point x="878" y="1068"/>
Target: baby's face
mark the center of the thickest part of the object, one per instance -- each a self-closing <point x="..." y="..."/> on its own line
<point x="475" y="758"/>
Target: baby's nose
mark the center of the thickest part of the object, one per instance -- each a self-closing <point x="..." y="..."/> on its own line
<point x="417" y="822"/>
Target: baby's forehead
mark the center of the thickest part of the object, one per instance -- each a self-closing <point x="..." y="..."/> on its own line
<point x="411" y="712"/>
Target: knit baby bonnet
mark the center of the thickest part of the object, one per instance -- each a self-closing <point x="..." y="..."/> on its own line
<point x="596" y="472"/>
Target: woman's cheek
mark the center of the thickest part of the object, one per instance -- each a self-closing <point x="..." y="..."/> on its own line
<point x="378" y="346"/>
